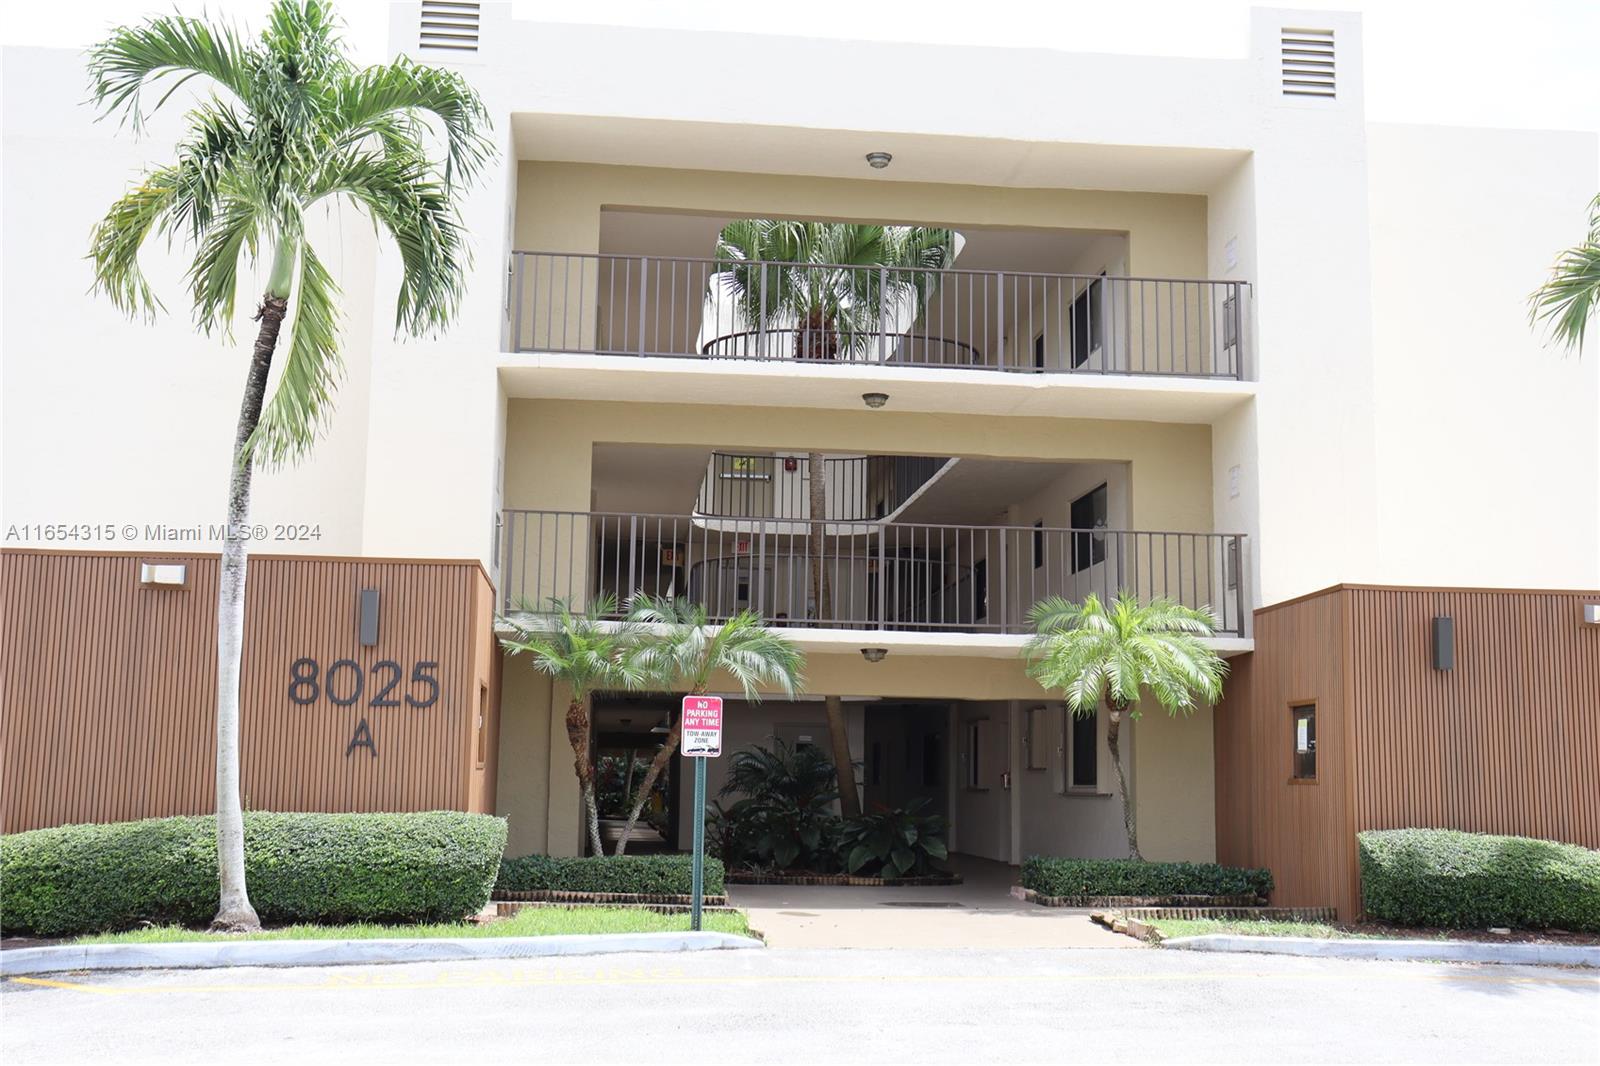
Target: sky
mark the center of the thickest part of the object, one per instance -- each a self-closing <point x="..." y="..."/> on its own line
<point x="1530" y="64"/>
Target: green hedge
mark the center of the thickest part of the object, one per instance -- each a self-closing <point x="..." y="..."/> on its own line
<point x="74" y="879"/>
<point x="1449" y="879"/>
<point x="655" y="875"/>
<point x="1130" y="877"/>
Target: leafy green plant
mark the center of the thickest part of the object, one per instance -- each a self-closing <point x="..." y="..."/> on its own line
<point x="652" y="875"/>
<point x="899" y="842"/>
<point x="785" y="820"/>
<point x="1455" y="880"/>
<point x="74" y="879"/>
<point x="1050" y="876"/>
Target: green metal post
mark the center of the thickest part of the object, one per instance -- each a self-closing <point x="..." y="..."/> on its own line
<point x="697" y="890"/>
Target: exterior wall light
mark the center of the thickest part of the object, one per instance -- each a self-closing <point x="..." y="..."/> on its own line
<point x="874" y="655"/>
<point x="878" y="160"/>
<point x="166" y="575"/>
<point x="874" y="400"/>
<point x="1591" y="614"/>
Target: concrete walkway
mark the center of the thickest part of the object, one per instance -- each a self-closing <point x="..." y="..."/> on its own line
<point x="979" y="913"/>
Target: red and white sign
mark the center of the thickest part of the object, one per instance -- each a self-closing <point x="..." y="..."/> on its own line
<point x="702" y="726"/>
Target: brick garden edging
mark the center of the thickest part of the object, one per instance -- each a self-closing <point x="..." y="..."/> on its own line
<point x="603" y="899"/>
<point x="504" y="908"/>
<point x="1124" y="902"/>
<point x="747" y="877"/>
<point x="1137" y="922"/>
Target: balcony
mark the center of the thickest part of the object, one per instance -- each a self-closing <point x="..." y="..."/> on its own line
<point x="860" y="575"/>
<point x="722" y="313"/>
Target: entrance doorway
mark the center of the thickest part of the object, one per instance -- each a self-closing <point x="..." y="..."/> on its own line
<point x="628" y="734"/>
<point x="906" y="756"/>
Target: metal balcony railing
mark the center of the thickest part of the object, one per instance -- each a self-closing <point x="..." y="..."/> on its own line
<point x="858" y="488"/>
<point x="860" y="575"/>
<point x="1027" y="323"/>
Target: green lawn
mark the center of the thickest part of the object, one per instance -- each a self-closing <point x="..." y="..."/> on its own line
<point x="1175" y="927"/>
<point x="530" y="921"/>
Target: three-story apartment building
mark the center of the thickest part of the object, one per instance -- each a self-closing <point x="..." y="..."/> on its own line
<point x="1204" y="332"/>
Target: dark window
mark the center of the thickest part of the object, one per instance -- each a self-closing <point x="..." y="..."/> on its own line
<point x="1305" y="740"/>
<point x="1038" y="544"/>
<point x="1088" y="513"/>
<point x="1086" y="326"/>
<point x="1038" y="352"/>
<point x="1085" y="759"/>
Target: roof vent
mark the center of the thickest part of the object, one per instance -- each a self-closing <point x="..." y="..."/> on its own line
<point x="449" y="24"/>
<point x="1308" y="63"/>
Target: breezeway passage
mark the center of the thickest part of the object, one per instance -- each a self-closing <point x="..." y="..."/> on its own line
<point x="979" y="913"/>
<point x="764" y="1006"/>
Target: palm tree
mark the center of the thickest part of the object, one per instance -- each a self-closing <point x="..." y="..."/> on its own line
<point x="587" y="651"/>
<point x="842" y="286"/>
<point x="1569" y="298"/>
<point x="676" y="645"/>
<point x="290" y="124"/>
<point x="1094" y="654"/>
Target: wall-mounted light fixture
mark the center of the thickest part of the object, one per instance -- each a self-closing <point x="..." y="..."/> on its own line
<point x="1591" y="614"/>
<point x="879" y="160"/>
<point x="1444" y="643"/>
<point x="367" y="617"/>
<point x="874" y="400"/>
<point x="164" y="575"/>
<point x="874" y="655"/>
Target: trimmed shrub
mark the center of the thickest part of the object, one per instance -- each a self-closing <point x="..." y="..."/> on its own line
<point x="1453" y="880"/>
<point x="300" y="867"/>
<point x="645" y="875"/>
<point x="1130" y="877"/>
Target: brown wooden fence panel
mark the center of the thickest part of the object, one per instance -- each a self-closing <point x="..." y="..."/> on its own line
<point x="107" y="687"/>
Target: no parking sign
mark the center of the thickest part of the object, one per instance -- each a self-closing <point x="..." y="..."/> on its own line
<point x="702" y="726"/>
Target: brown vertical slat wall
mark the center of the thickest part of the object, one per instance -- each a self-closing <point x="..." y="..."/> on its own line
<point x="107" y="688"/>
<point x="1506" y="742"/>
<point x="1294" y="828"/>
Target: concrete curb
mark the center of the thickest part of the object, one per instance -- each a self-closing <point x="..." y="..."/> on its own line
<point x="1415" y="950"/>
<point x="204" y="956"/>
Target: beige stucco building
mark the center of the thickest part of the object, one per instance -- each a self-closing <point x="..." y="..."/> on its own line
<point x="1216" y="337"/>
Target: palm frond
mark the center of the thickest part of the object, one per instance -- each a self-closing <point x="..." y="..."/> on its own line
<point x="168" y="50"/>
<point x="117" y="238"/>
<point x="1568" y="299"/>
<point x="365" y="101"/>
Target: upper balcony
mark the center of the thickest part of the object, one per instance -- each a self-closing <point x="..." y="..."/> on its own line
<point x="729" y="314"/>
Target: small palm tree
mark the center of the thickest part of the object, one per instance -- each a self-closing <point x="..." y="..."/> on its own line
<point x="1093" y="654"/>
<point x="675" y="644"/>
<point x="587" y="651"/>
<point x="291" y="125"/>
<point x="1571" y="295"/>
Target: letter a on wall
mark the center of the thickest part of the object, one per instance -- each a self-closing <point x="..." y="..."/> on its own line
<point x="362" y="739"/>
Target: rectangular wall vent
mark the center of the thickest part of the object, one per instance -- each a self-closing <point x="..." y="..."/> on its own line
<point x="449" y="24"/>
<point x="1308" y="63"/>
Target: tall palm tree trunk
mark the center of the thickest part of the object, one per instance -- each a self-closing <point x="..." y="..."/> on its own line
<point x="838" y="738"/>
<point x="578" y="737"/>
<point x="843" y="764"/>
<point x="1113" y="744"/>
<point x="234" y="912"/>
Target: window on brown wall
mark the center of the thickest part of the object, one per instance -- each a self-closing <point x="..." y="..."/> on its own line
<point x="483" y="726"/>
<point x="1304" y="716"/>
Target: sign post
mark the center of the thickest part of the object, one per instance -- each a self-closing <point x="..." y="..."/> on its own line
<point x="700" y="726"/>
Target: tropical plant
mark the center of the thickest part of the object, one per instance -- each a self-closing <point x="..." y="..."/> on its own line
<point x="1094" y="654"/>
<point x="676" y="644"/>
<point x="897" y="842"/>
<point x="785" y="818"/>
<point x="1571" y="295"/>
<point x="289" y="124"/>
<point x="586" y="650"/>
<point x="837" y="285"/>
